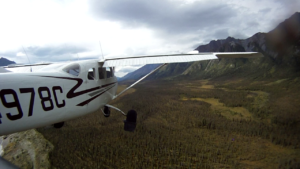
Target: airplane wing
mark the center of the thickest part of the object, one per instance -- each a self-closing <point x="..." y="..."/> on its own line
<point x="23" y="68"/>
<point x="175" y="58"/>
<point x="3" y="70"/>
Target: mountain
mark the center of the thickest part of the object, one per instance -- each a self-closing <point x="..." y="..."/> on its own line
<point x="5" y="62"/>
<point x="135" y="75"/>
<point x="281" y="48"/>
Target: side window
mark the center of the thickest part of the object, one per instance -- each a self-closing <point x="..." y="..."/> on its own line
<point x="102" y="72"/>
<point x="91" y="74"/>
<point x="108" y="72"/>
<point x="112" y="71"/>
<point x="73" y="69"/>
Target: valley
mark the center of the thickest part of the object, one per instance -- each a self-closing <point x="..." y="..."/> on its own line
<point x="233" y="123"/>
<point x="222" y="113"/>
<point x="225" y="113"/>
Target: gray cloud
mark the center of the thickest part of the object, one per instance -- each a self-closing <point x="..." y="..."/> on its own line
<point x="238" y="35"/>
<point x="164" y="15"/>
<point x="127" y="69"/>
<point x="284" y="10"/>
<point x="221" y="33"/>
<point x="47" y="51"/>
<point x="290" y="6"/>
<point x="8" y="54"/>
<point x="266" y="10"/>
<point x="252" y="24"/>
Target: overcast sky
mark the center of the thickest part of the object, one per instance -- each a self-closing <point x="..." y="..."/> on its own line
<point x="61" y="30"/>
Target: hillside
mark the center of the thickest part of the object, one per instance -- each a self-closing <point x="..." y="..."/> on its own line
<point x="281" y="48"/>
<point x="135" y="75"/>
<point x="228" y="123"/>
<point x="5" y="62"/>
<point x="238" y="123"/>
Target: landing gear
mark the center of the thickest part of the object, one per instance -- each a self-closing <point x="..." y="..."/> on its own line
<point x="106" y="111"/>
<point x="130" y="122"/>
<point x="58" y="125"/>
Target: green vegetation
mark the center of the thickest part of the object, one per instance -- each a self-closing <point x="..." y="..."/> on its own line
<point x="184" y="125"/>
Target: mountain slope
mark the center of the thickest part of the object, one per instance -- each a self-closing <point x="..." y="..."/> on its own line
<point x="281" y="48"/>
<point x="135" y="75"/>
<point x="5" y="62"/>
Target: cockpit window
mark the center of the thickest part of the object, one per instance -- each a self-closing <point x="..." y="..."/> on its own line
<point x="106" y="72"/>
<point x="73" y="69"/>
<point x="91" y="74"/>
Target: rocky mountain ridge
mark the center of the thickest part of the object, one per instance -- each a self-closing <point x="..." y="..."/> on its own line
<point x="281" y="48"/>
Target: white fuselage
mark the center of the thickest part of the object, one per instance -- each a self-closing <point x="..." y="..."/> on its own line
<point x="53" y="94"/>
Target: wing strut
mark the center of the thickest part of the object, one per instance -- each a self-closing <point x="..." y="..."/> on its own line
<point x="139" y="80"/>
<point x="110" y="106"/>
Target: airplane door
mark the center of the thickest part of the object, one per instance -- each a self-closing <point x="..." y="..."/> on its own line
<point x="92" y="81"/>
<point x="108" y="83"/>
<point x="93" y="84"/>
<point x="102" y="82"/>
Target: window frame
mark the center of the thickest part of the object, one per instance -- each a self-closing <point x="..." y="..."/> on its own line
<point x="94" y="74"/>
<point x="112" y="71"/>
<point x="103" y="74"/>
<point x="108" y="72"/>
<point x="67" y="68"/>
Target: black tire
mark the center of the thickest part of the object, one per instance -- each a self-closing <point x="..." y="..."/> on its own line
<point x="106" y="111"/>
<point x="130" y="122"/>
<point x="58" y="125"/>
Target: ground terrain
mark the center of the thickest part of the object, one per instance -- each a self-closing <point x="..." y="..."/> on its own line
<point x="223" y="123"/>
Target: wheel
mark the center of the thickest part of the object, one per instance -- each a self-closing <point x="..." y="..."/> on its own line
<point x="130" y="122"/>
<point x="58" y="125"/>
<point x="106" y="111"/>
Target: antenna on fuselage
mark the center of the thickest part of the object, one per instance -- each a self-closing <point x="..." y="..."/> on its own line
<point x="101" y="50"/>
<point x="28" y="59"/>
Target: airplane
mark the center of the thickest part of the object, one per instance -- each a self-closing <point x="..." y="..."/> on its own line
<point x="37" y="95"/>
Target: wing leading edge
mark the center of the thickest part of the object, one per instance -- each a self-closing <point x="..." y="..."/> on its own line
<point x="175" y="58"/>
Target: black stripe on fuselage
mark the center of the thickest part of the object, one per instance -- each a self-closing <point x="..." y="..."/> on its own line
<point x="91" y="99"/>
<point x="98" y="91"/>
<point x="72" y="93"/>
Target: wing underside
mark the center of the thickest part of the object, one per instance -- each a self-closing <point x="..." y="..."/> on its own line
<point x="175" y="58"/>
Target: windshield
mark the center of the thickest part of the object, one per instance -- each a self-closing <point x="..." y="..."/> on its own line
<point x="73" y="69"/>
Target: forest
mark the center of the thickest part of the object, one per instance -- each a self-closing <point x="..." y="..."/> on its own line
<point x="225" y="123"/>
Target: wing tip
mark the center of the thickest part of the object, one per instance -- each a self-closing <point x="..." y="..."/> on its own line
<point x="239" y="55"/>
